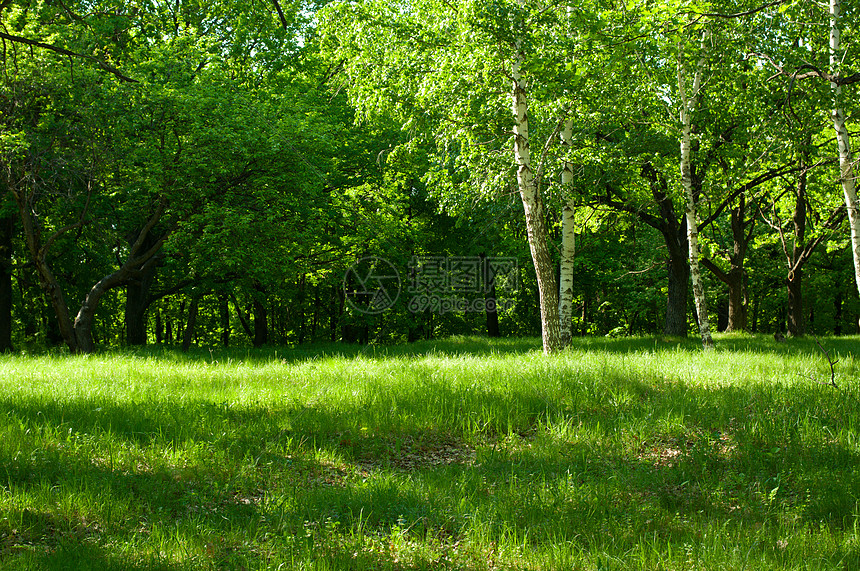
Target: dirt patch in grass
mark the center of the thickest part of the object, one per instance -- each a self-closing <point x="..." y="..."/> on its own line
<point x="670" y="451"/>
<point x="409" y="453"/>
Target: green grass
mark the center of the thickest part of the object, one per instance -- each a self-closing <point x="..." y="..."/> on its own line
<point x="466" y="453"/>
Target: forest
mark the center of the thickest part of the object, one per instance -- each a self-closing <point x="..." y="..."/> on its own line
<point x="237" y="172"/>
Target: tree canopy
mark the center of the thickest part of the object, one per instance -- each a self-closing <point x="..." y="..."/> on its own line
<point x="177" y="171"/>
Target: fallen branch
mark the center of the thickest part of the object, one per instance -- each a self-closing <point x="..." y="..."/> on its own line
<point x="830" y="361"/>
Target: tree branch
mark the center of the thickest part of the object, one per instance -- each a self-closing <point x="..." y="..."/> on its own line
<point x="836" y="217"/>
<point x="280" y="14"/>
<point x="720" y="274"/>
<point x="760" y="179"/>
<point x="105" y="66"/>
<point x="742" y="14"/>
<point x="814" y="72"/>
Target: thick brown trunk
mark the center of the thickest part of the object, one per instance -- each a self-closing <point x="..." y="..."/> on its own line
<point x="794" y="279"/>
<point x="676" y="302"/>
<point x="47" y="281"/>
<point x="736" y="280"/>
<point x="191" y="324"/>
<point x="136" y="304"/>
<point x="316" y="316"/>
<point x="77" y="334"/>
<point x="737" y="277"/>
<point x="675" y="236"/>
<point x="738" y="301"/>
<point x="137" y="301"/>
<point x="83" y="323"/>
<point x="801" y="252"/>
<point x="337" y="300"/>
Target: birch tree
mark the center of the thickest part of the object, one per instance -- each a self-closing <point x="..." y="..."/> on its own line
<point x="688" y="101"/>
<point x="568" y="241"/>
<point x="801" y="62"/>
<point x="533" y="207"/>
<point x="473" y="74"/>
<point x="847" y="176"/>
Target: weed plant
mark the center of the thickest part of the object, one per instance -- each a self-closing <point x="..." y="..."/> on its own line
<point x="642" y="453"/>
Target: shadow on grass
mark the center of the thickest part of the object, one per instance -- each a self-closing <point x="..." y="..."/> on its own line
<point x="452" y="346"/>
<point x="482" y="346"/>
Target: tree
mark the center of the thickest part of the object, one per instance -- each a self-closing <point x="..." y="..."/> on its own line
<point x="122" y="164"/>
<point x="847" y="176"/>
<point x="687" y="101"/>
<point x="803" y="62"/>
<point x="455" y="70"/>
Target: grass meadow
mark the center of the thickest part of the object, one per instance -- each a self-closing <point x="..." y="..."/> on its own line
<point x="465" y="453"/>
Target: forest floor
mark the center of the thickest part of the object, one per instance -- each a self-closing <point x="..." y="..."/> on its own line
<point x="465" y="453"/>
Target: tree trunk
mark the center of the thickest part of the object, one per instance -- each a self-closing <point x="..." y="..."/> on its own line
<point x="847" y="175"/>
<point x="134" y="266"/>
<point x="78" y="334"/>
<point x="7" y="228"/>
<point x="299" y="301"/>
<point x="801" y="251"/>
<point x="535" y="223"/>
<point x="191" y="324"/>
<point x="756" y="302"/>
<point x="159" y="327"/>
<point x="224" y="309"/>
<point x="837" y="312"/>
<point x="136" y="303"/>
<point x="676" y="301"/>
<point x="722" y="314"/>
<point x="794" y="279"/>
<point x="83" y="323"/>
<point x="796" y="325"/>
<point x="336" y="311"/>
<point x="316" y="316"/>
<point x="738" y="300"/>
<point x="241" y="315"/>
<point x="492" y="312"/>
<point x="568" y="244"/>
<point x="736" y="280"/>
<point x="688" y="104"/>
<point x="47" y="280"/>
<point x="675" y="236"/>
<point x="261" y="326"/>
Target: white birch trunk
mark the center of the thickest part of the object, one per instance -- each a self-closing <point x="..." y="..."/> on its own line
<point x="535" y="224"/>
<point x="688" y="104"/>
<point x="846" y="167"/>
<point x="568" y="244"/>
